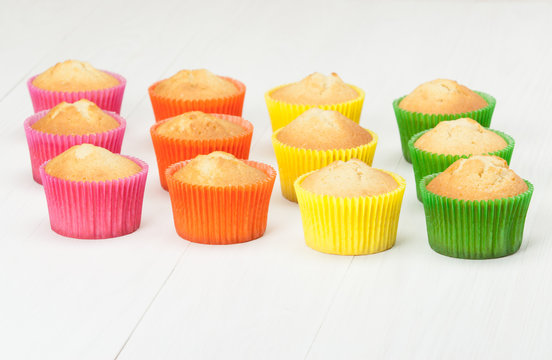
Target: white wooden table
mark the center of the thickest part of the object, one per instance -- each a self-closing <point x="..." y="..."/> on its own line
<point x="153" y="295"/>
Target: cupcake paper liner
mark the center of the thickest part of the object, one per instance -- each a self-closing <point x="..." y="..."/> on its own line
<point x="294" y="162"/>
<point x="95" y="210"/>
<point x="169" y="150"/>
<point x="220" y="215"/>
<point x="426" y="163"/>
<point x="109" y="99"/>
<point x="164" y="108"/>
<point x="411" y="123"/>
<point x="350" y="226"/>
<point x="44" y="146"/>
<point x="475" y="229"/>
<point x="282" y="113"/>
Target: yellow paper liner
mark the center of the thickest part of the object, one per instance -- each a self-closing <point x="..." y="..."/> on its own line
<point x="350" y="225"/>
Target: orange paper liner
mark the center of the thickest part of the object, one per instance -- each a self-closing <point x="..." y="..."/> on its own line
<point x="170" y="150"/>
<point x="164" y="107"/>
<point x="220" y="215"/>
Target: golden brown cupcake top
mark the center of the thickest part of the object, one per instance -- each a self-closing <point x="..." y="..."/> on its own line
<point x="460" y="137"/>
<point x="442" y="96"/>
<point x="319" y="129"/>
<point x="349" y="179"/>
<point x="79" y="118"/>
<point x="195" y="85"/>
<point x="87" y="162"/>
<point x="219" y="169"/>
<point x="316" y="89"/>
<point x="196" y="125"/>
<point x="73" y="75"/>
<point x="479" y="177"/>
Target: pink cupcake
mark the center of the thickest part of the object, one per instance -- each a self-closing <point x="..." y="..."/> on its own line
<point x="93" y="193"/>
<point x="49" y="133"/>
<point x="73" y="80"/>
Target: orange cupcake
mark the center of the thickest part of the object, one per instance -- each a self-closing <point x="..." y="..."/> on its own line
<point x="185" y="136"/>
<point x="201" y="90"/>
<point x="219" y="199"/>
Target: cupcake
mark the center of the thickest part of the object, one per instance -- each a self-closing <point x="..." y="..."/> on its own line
<point x="201" y="90"/>
<point x="476" y="208"/>
<point x="73" y="80"/>
<point x="349" y="208"/>
<point x="433" y="150"/>
<point x="315" y="139"/>
<point x="49" y="133"/>
<point x="286" y="102"/>
<point x="185" y="136"/>
<point x="219" y="199"/>
<point x="93" y="193"/>
<point x="438" y="100"/>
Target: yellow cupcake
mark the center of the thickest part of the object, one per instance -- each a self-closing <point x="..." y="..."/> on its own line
<point x="288" y="101"/>
<point x="349" y="208"/>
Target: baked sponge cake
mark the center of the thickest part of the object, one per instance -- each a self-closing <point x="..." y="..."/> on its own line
<point x="319" y="129"/>
<point x="479" y="177"/>
<point x="219" y="199"/>
<point x="315" y="139"/>
<point x="79" y="118"/>
<point x="93" y="193"/>
<point x="316" y="89"/>
<point x="442" y="96"/>
<point x="476" y="208"/>
<point x="219" y="169"/>
<point x="87" y="162"/>
<point x="349" y="179"/>
<point x="199" y="126"/>
<point x="460" y="137"/>
<point x="350" y="208"/>
<point x="198" y="84"/>
<point x="74" y="75"/>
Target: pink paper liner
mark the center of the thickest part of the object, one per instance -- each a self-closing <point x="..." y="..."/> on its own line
<point x="95" y="209"/>
<point x="44" y="146"/>
<point x="109" y="99"/>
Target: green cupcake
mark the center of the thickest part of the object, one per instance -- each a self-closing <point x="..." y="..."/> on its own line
<point x="433" y="150"/>
<point x="476" y="208"/>
<point x="436" y="101"/>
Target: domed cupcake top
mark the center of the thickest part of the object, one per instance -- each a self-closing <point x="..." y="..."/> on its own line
<point x="195" y="85"/>
<point x="87" y="162"/>
<point x="196" y="125"/>
<point x="79" y="118"/>
<point x="353" y="178"/>
<point x="442" y="96"/>
<point x="460" y="137"/>
<point x="218" y="169"/>
<point x="74" y="75"/>
<point x="479" y="177"/>
<point x="319" y="129"/>
<point x="316" y="89"/>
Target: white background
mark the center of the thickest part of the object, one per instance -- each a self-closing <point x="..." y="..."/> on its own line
<point x="153" y="295"/>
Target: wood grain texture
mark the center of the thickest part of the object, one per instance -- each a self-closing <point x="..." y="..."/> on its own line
<point x="153" y="295"/>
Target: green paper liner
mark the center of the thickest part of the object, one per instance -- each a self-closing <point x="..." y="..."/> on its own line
<point x="475" y="229"/>
<point x="426" y="163"/>
<point x="411" y="123"/>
